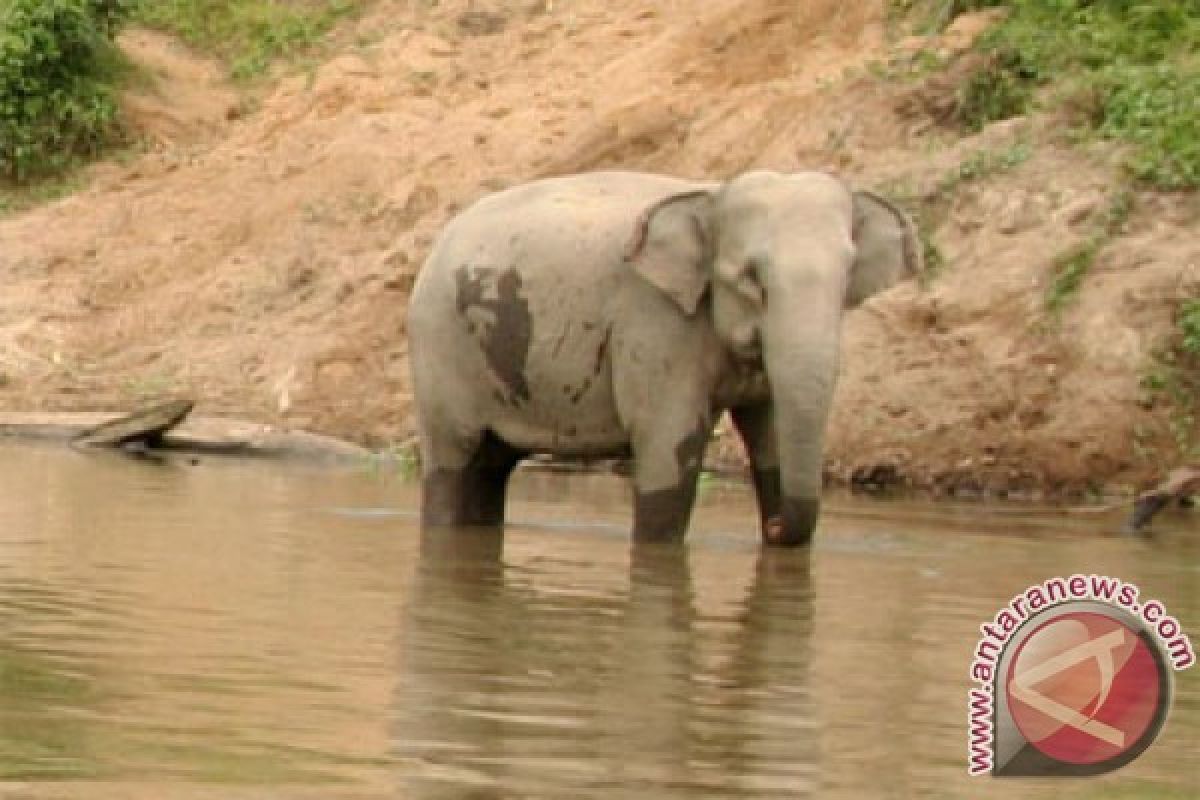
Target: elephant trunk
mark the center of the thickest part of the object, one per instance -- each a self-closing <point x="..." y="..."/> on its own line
<point x="800" y="353"/>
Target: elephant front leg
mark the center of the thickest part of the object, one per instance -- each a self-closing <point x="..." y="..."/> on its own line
<point x="756" y="426"/>
<point x="667" y="462"/>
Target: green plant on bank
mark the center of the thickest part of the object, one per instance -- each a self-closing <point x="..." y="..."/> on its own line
<point x="1069" y="270"/>
<point x="1157" y="109"/>
<point x="1002" y="90"/>
<point x="58" y="70"/>
<point x="1174" y="376"/>
<point x="1072" y="266"/>
<point x="910" y="67"/>
<point x="247" y="34"/>
<point x="977" y="166"/>
<point x="1189" y="327"/>
<point x="401" y="460"/>
<point x="934" y="15"/>
<point x="16" y="197"/>
<point x="984" y="164"/>
<point x="925" y="208"/>
<point x="1126" y="67"/>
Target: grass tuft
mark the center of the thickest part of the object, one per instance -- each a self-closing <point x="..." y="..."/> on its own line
<point x="247" y="34"/>
<point x="1173" y="376"/>
<point x="1073" y="265"/>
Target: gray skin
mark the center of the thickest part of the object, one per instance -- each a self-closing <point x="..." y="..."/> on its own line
<point x="617" y="314"/>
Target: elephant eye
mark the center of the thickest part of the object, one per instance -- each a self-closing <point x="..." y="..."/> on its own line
<point x="749" y="281"/>
<point x="754" y="267"/>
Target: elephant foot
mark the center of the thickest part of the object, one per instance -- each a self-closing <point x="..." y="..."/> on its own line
<point x="795" y="526"/>
<point x="662" y="515"/>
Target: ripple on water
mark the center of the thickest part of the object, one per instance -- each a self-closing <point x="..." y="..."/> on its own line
<point x="232" y="630"/>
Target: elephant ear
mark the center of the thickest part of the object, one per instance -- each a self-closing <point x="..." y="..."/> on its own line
<point x="887" y="247"/>
<point x="672" y="246"/>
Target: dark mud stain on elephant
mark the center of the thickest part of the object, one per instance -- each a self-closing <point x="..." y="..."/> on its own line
<point x="497" y="314"/>
<point x="602" y="351"/>
<point x="576" y="394"/>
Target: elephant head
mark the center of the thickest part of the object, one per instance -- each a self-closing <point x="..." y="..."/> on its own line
<point x="779" y="257"/>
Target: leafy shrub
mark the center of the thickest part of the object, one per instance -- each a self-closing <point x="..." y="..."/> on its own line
<point x="1000" y="90"/>
<point x="1133" y="60"/>
<point x="57" y="66"/>
<point x="111" y="14"/>
<point x="1158" y="110"/>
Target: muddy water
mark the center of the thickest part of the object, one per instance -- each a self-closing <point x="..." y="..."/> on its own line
<point x="237" y="630"/>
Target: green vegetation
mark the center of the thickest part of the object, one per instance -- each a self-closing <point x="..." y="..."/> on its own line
<point x="977" y="166"/>
<point x="1127" y="68"/>
<point x="1174" y="376"/>
<point x="934" y="15"/>
<point x="927" y="206"/>
<point x="1073" y="265"/>
<point x="247" y="34"/>
<point x="1070" y="268"/>
<point x="399" y="460"/>
<point x="16" y="197"/>
<point x="58" y="69"/>
<point x="1002" y="89"/>
<point x="983" y="164"/>
<point x="1188" y="322"/>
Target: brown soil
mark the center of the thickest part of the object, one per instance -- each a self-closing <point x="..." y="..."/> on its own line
<point x="259" y="255"/>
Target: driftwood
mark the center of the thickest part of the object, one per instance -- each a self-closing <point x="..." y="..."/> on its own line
<point x="1179" y="486"/>
<point x="145" y="427"/>
<point x="220" y="436"/>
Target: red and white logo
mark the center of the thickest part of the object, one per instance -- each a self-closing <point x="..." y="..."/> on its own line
<point x="1083" y="688"/>
<point x="1073" y="677"/>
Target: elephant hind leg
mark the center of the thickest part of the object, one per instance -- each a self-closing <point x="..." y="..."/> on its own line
<point x="472" y="495"/>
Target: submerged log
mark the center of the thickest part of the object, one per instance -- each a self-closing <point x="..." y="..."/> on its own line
<point x="144" y="427"/>
<point x="1179" y="486"/>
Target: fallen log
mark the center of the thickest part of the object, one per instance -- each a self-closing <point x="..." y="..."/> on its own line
<point x="144" y="427"/>
<point x="1179" y="485"/>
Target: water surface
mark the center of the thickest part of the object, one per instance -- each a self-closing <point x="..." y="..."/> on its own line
<point x="233" y="629"/>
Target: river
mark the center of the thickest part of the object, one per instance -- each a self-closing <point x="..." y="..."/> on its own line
<point x="238" y="629"/>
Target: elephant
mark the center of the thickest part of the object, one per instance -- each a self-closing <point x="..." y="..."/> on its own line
<point x="617" y="314"/>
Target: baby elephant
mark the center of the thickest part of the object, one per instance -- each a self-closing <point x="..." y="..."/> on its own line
<point x="616" y="314"/>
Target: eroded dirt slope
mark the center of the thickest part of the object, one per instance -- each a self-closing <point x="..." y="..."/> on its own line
<point x="261" y="255"/>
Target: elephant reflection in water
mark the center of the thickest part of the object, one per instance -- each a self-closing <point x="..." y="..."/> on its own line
<point x="512" y="686"/>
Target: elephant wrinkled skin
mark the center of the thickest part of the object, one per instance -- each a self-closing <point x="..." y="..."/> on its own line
<point x="617" y="313"/>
